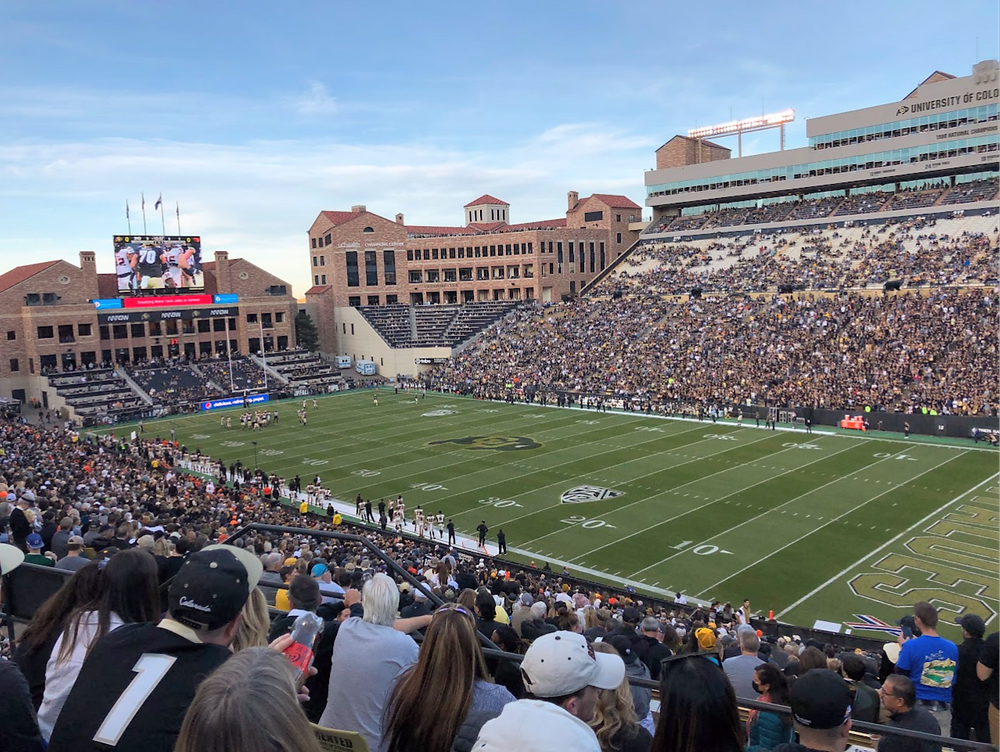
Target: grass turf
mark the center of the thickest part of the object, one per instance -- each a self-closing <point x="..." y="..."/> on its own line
<point x="808" y="526"/>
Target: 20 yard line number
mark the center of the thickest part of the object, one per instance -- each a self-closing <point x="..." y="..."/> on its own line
<point x="576" y="519"/>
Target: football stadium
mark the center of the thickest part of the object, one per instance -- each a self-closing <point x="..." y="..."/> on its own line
<point x="754" y="417"/>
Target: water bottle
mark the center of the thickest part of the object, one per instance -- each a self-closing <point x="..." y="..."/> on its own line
<point x="304" y="633"/>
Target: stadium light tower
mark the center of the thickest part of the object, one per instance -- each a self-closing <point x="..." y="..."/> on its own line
<point x="747" y="125"/>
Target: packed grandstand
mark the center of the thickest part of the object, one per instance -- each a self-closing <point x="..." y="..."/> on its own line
<point x="880" y="299"/>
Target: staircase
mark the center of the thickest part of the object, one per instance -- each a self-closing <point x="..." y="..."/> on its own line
<point x="139" y="391"/>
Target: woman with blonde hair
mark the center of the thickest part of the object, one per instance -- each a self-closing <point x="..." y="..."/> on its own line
<point x="253" y="627"/>
<point x="432" y="699"/>
<point x="248" y="704"/>
<point x="614" y="720"/>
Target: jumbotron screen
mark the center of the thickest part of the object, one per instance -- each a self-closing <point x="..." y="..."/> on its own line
<point x="158" y="262"/>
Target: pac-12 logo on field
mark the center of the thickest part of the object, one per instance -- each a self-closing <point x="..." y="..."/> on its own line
<point x="583" y="494"/>
<point x="499" y="443"/>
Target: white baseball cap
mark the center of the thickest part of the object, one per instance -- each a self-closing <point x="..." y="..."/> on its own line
<point x="563" y="663"/>
<point x="11" y="557"/>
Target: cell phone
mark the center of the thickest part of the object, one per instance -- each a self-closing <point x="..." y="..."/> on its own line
<point x="907" y="632"/>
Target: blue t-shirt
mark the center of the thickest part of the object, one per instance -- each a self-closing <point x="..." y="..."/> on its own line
<point x="930" y="662"/>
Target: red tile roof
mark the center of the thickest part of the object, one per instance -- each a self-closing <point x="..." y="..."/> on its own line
<point x="339" y="217"/>
<point x="17" y="275"/>
<point x="542" y="224"/>
<point x="486" y="199"/>
<point x="616" y="201"/>
<point x="318" y="289"/>
<point x="434" y="230"/>
<point x="488" y="226"/>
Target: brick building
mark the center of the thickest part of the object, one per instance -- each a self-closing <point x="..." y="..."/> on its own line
<point x="48" y="322"/>
<point x="358" y="258"/>
<point x="681" y="151"/>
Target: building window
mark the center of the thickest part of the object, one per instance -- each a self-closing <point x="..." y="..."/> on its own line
<point x="138" y="330"/>
<point x="461" y="253"/>
<point x="11" y="335"/>
<point x="315" y="261"/>
<point x="618" y="218"/>
<point x="369" y="229"/>
<point x="320" y="242"/>
<point x="313" y="242"/>
<point x="451" y="253"/>
<point x="351" y="259"/>
<point x="66" y="333"/>
<point x="322" y="278"/>
<point x="416" y="277"/>
<point x="427" y="254"/>
<point x="46" y="332"/>
<point x="373" y="300"/>
<point x="391" y="299"/>
<point x="322" y="260"/>
<point x="354" y="302"/>
<point x="371" y="268"/>
<point x="434" y="254"/>
<point x="389" y="266"/>
<point x="277" y="290"/>
<point x="14" y="365"/>
<point x="316" y="280"/>
<point x="594" y="216"/>
<point x="326" y="239"/>
<point x="603" y="258"/>
<point x="433" y="275"/>
<point x="204" y="325"/>
<point x="450" y="275"/>
<point x="618" y="237"/>
<point x="465" y="275"/>
<point x="409" y="254"/>
<point x="251" y="318"/>
<point x="279" y="318"/>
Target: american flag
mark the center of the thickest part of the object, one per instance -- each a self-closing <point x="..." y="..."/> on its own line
<point x="874" y="624"/>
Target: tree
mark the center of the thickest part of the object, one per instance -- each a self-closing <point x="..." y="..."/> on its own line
<point x="305" y="332"/>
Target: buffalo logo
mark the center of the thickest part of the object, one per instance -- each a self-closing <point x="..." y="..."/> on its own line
<point x="439" y="413"/>
<point x="903" y="109"/>
<point x="499" y="443"/>
<point x="583" y="494"/>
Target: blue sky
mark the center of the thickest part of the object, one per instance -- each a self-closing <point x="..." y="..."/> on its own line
<point x="258" y="116"/>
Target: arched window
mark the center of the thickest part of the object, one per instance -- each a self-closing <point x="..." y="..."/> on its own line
<point x="369" y="229"/>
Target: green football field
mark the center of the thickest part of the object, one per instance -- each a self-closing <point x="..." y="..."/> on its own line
<point x="825" y="526"/>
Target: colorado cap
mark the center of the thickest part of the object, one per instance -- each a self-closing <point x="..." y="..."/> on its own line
<point x="212" y="586"/>
<point x="821" y="699"/>
<point x="11" y="557"/>
<point x="562" y="663"/>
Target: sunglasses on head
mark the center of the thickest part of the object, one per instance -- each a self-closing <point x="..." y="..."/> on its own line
<point x="451" y="607"/>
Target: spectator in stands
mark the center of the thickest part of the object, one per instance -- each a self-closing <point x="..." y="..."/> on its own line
<point x="930" y="661"/>
<point x="766" y="730"/>
<point x="821" y="713"/>
<point x="304" y="597"/>
<point x="486" y="613"/>
<point x="206" y="600"/>
<point x="865" y="705"/>
<point x="563" y="675"/>
<point x="35" y="646"/>
<point x="740" y="668"/>
<point x="248" y="705"/>
<point x="505" y="671"/>
<point x="254" y="623"/>
<point x="35" y="556"/>
<point x="368" y="656"/>
<point x="60" y="537"/>
<point x="74" y="560"/>
<point x="448" y="686"/>
<point x="522" y="611"/>
<point x="987" y="671"/>
<point x="615" y="721"/>
<point x="900" y="699"/>
<point x="970" y="696"/>
<point x="18" y="725"/>
<point x="811" y="658"/>
<point x="650" y="647"/>
<point x="635" y="669"/>
<point x="698" y="708"/>
<point x="129" y="595"/>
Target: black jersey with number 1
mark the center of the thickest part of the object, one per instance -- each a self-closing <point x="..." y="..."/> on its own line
<point x="133" y="691"/>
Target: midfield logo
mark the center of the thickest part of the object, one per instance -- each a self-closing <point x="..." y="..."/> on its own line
<point x="499" y="443"/>
<point x="583" y="494"/>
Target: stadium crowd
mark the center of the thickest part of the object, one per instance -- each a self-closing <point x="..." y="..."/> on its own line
<point x="64" y="498"/>
<point x="903" y="353"/>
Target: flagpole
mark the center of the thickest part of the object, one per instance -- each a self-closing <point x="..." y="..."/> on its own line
<point x="178" y="218"/>
<point x="163" y="220"/>
<point x="128" y="219"/>
<point x="144" y="214"/>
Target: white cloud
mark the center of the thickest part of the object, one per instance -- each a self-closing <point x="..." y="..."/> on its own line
<point x="316" y="101"/>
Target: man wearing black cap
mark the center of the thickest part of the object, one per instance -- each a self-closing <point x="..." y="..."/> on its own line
<point x="138" y="680"/>
<point x="970" y="698"/>
<point x="821" y="711"/>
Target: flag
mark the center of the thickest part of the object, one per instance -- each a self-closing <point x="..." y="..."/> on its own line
<point x="126" y="209"/>
<point x="874" y="624"/>
<point x="143" y="202"/>
<point x="178" y="210"/>
<point x="158" y="202"/>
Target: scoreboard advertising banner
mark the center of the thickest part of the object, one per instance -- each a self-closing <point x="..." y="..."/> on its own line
<point x="158" y="262"/>
<point x="185" y="314"/>
<point x="250" y="399"/>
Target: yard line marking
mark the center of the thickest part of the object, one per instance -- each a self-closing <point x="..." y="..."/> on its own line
<point x="708" y="503"/>
<point x="888" y="543"/>
<point x="815" y="530"/>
